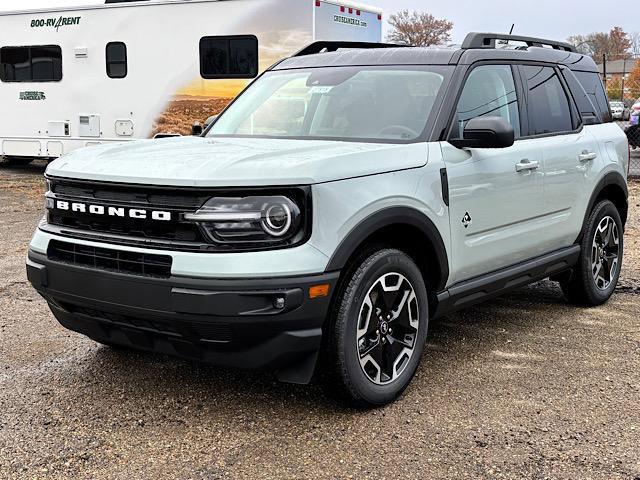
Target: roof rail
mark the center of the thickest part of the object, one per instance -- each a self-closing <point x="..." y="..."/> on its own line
<point x="324" y="46"/>
<point x="488" y="40"/>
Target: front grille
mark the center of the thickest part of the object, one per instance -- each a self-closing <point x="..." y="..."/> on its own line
<point x="172" y="232"/>
<point x="145" y="196"/>
<point x="131" y="196"/>
<point x="130" y="263"/>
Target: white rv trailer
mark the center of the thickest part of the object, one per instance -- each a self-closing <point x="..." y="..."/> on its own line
<point x="71" y="78"/>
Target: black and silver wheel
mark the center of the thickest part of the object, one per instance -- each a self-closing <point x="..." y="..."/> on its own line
<point x="596" y="275"/>
<point x="388" y="326"/>
<point x="379" y="329"/>
<point x="605" y="253"/>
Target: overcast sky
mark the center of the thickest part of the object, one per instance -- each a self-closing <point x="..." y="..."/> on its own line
<point x="555" y="19"/>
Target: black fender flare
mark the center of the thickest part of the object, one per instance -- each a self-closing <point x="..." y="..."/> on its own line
<point x="386" y="218"/>
<point x="611" y="178"/>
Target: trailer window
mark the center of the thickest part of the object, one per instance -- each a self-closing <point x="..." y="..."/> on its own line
<point x="116" y="55"/>
<point x="31" y="64"/>
<point x="229" y="57"/>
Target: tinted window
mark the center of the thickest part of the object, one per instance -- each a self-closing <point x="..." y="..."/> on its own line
<point x="592" y="84"/>
<point x="489" y="92"/>
<point x="116" y="55"/>
<point x="229" y="57"/>
<point x="589" y="113"/>
<point x="549" y="109"/>
<point x="31" y="64"/>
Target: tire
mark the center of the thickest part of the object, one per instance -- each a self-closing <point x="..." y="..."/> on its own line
<point x="593" y="279"/>
<point x="388" y="280"/>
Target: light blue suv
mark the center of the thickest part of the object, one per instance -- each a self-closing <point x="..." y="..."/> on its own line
<point x="350" y="195"/>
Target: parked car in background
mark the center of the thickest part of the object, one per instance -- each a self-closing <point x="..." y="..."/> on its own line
<point x="635" y="113"/>
<point x="619" y="111"/>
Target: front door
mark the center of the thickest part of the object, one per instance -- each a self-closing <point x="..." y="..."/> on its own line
<point x="496" y="195"/>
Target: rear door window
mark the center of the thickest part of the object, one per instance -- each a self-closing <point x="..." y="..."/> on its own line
<point x="548" y="105"/>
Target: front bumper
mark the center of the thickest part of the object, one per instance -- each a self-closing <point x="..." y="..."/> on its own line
<point x="232" y="323"/>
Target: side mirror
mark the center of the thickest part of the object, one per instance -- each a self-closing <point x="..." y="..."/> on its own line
<point x="210" y="120"/>
<point x="196" y="129"/>
<point x="486" y="132"/>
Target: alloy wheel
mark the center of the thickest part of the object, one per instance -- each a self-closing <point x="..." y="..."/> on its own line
<point x="387" y="328"/>
<point x="605" y="253"/>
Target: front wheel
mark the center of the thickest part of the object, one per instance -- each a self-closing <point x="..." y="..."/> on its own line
<point x="596" y="275"/>
<point x="379" y="329"/>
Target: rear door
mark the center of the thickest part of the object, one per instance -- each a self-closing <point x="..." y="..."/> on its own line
<point x="496" y="195"/>
<point x="570" y="154"/>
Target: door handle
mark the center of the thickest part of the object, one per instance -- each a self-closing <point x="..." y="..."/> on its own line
<point x="586" y="156"/>
<point x="526" y="165"/>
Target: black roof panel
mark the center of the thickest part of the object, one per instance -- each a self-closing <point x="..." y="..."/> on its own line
<point x="376" y="56"/>
<point x="437" y="56"/>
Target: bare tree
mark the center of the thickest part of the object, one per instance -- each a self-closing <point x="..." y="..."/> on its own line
<point x="420" y="29"/>
<point x="615" y="44"/>
<point x="635" y="43"/>
<point x="582" y="44"/>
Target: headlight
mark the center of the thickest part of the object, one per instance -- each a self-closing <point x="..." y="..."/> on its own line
<point x="263" y="220"/>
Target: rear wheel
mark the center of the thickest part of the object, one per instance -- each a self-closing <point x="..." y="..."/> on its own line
<point x="379" y="329"/>
<point x="596" y="275"/>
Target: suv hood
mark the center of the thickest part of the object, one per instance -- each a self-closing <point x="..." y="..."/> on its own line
<point x="198" y="161"/>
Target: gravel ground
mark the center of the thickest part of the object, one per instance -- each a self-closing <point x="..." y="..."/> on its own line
<point x="522" y="387"/>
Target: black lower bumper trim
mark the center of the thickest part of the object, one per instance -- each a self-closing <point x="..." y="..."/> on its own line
<point x="249" y="324"/>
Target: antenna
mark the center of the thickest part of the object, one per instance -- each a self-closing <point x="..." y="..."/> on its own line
<point x="513" y="25"/>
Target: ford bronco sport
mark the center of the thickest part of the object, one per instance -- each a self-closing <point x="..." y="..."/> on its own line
<point x="347" y="197"/>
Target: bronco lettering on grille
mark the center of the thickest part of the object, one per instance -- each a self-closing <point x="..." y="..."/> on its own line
<point x="122" y="212"/>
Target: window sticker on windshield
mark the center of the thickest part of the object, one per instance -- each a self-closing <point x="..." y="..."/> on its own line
<point x="322" y="90"/>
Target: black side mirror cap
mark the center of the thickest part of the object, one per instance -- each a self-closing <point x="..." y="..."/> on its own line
<point x="486" y="132"/>
<point x="196" y="129"/>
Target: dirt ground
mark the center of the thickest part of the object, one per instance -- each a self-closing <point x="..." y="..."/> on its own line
<point x="182" y="112"/>
<point x="524" y="387"/>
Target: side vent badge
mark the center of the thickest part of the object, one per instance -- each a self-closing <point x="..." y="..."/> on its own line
<point x="466" y="220"/>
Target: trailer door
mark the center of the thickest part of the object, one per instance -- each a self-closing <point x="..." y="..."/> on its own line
<point x="334" y="21"/>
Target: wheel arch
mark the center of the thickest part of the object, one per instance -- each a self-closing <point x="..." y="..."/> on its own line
<point x="613" y="187"/>
<point x="404" y="228"/>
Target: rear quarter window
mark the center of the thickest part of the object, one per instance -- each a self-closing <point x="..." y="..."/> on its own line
<point x="592" y="84"/>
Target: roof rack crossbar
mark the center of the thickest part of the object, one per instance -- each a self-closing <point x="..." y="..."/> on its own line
<point x="324" y="46"/>
<point x="488" y="40"/>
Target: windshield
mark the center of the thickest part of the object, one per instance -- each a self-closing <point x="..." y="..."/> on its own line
<point x="387" y="103"/>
